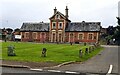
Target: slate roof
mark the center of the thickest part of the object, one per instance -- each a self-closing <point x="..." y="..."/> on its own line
<point x="71" y="27"/>
<point x="83" y="26"/>
<point x="35" y="27"/>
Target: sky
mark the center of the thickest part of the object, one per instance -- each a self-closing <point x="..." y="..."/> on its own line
<point x="15" y="12"/>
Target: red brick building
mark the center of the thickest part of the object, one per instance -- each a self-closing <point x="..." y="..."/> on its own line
<point x="61" y="29"/>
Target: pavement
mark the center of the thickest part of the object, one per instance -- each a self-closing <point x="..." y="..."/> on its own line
<point x="106" y="62"/>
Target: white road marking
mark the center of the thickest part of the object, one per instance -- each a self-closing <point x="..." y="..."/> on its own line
<point x="36" y="69"/>
<point x="70" y="72"/>
<point x="109" y="46"/>
<point x="54" y="71"/>
<point x="110" y="69"/>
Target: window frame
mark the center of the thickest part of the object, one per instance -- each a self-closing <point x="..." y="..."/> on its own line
<point x="57" y="16"/>
<point x="82" y="36"/>
<point x="60" y="23"/>
<point x="34" y="35"/>
<point x="53" y="27"/>
<point x="90" y="38"/>
<point x="27" y="35"/>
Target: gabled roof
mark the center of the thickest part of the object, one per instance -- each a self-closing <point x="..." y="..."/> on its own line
<point x="63" y="16"/>
<point x="83" y="26"/>
<point x="35" y="27"/>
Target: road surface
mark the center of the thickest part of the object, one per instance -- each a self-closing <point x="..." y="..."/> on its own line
<point x="105" y="62"/>
<point x="25" y="71"/>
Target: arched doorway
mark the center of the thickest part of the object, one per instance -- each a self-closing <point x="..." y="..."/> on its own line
<point x="71" y="37"/>
<point x="60" y="37"/>
<point x="43" y="37"/>
<point x="53" y="37"/>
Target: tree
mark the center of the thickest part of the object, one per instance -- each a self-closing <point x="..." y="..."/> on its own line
<point x="17" y="30"/>
<point x="9" y="30"/>
<point x="118" y="20"/>
<point x="117" y="31"/>
<point x="110" y="30"/>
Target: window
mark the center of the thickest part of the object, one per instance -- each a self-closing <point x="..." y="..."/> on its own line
<point x="90" y="36"/>
<point x="94" y="37"/>
<point x="27" y="35"/>
<point x="80" y="36"/>
<point x="60" y="25"/>
<point x="53" y="37"/>
<point x="54" y="25"/>
<point x="22" y="36"/>
<point x="71" y="35"/>
<point x="43" y="34"/>
<point x="34" y="35"/>
<point x="57" y="16"/>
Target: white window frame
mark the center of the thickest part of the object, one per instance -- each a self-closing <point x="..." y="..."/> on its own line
<point x="92" y="36"/>
<point x="52" y="36"/>
<point x="82" y="36"/>
<point x="59" y="25"/>
<point x="73" y="36"/>
<point x="35" y="34"/>
<point x="52" y="25"/>
<point x="61" y="36"/>
<point x="25" y="35"/>
<point x="57" y="16"/>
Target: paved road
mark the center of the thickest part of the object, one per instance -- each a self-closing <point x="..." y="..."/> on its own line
<point x="25" y="71"/>
<point x="98" y="64"/>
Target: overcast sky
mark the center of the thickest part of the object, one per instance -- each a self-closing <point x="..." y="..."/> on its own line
<point x="15" y="12"/>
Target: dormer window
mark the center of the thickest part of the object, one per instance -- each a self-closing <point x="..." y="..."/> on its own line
<point x="57" y="16"/>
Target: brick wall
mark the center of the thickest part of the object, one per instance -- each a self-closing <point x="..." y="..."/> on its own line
<point x="35" y="36"/>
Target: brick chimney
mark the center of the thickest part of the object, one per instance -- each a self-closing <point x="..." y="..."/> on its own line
<point x="66" y="12"/>
<point x="55" y="10"/>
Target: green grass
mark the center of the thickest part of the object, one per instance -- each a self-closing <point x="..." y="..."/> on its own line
<point x="58" y="53"/>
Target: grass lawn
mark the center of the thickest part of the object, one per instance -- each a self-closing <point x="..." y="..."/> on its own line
<point x="58" y="53"/>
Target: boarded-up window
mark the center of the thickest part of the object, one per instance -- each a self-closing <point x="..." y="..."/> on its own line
<point x="27" y="35"/>
<point x="94" y="37"/>
<point x="80" y="36"/>
<point x="43" y="34"/>
<point x="34" y="35"/>
<point x="71" y="35"/>
<point x="90" y="36"/>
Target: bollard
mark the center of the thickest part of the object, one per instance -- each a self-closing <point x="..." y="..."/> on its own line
<point x="80" y="53"/>
<point x="44" y="52"/>
<point x="11" y="51"/>
<point x="95" y="45"/>
<point x="90" y="49"/>
<point x="85" y="44"/>
<point x="93" y="48"/>
<point x="86" y="51"/>
<point x="70" y="43"/>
